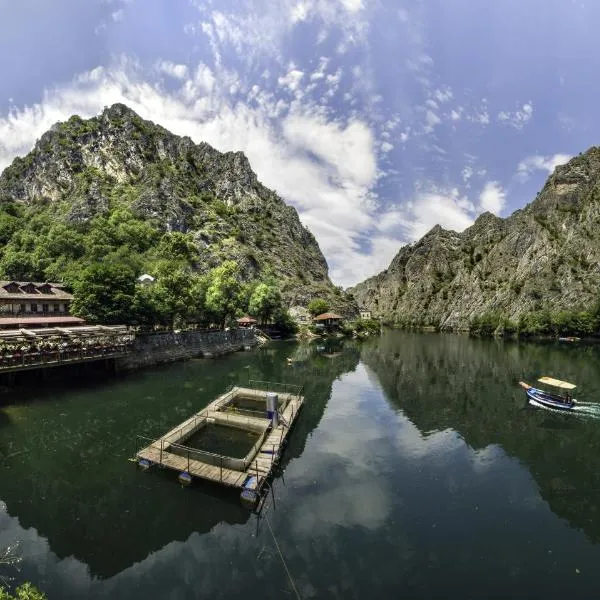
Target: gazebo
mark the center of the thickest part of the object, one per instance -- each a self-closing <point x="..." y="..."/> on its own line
<point x="246" y="321"/>
<point x="328" y="319"/>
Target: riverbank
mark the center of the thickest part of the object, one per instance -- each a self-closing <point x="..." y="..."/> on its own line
<point x="159" y="348"/>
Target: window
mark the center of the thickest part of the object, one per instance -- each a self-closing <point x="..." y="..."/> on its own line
<point x="22" y="307"/>
<point x="44" y="308"/>
<point x="33" y="307"/>
<point x="65" y="307"/>
<point x="56" y="307"/>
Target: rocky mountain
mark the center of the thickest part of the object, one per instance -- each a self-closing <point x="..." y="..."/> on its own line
<point x="117" y="183"/>
<point x="543" y="257"/>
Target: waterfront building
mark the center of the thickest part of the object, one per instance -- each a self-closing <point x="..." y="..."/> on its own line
<point x="29" y="303"/>
<point x="328" y="320"/>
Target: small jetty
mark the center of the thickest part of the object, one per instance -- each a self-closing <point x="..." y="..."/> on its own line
<point x="236" y="440"/>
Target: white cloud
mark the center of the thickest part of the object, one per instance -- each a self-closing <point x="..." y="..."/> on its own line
<point x="387" y="147"/>
<point x="431" y="120"/>
<point x="455" y="115"/>
<point x="467" y="173"/>
<point x="445" y="207"/>
<point x="261" y="28"/>
<point x="118" y="15"/>
<point x="334" y="79"/>
<point x="319" y="73"/>
<point x="348" y="149"/>
<point x="540" y="163"/>
<point x="519" y="118"/>
<point x="443" y="95"/>
<point x="325" y="168"/>
<point x="492" y="198"/>
<point x="352" y="6"/>
<point x="299" y="12"/>
<point x="174" y="70"/>
<point x="291" y="80"/>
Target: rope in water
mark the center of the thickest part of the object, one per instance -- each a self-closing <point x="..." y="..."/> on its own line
<point x="283" y="560"/>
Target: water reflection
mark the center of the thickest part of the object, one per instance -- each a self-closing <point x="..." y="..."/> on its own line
<point x="398" y="481"/>
<point x="447" y="384"/>
<point x="72" y="492"/>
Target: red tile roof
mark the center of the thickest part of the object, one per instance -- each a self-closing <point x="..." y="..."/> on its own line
<point x="246" y="319"/>
<point x="326" y="316"/>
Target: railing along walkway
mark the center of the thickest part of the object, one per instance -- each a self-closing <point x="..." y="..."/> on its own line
<point x="22" y="361"/>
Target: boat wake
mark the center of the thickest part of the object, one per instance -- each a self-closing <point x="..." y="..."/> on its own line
<point x="589" y="410"/>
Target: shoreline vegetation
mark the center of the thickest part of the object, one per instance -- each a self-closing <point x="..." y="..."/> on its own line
<point x="359" y="328"/>
<point x="540" y="324"/>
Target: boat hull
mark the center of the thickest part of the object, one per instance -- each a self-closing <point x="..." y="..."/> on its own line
<point x="545" y="399"/>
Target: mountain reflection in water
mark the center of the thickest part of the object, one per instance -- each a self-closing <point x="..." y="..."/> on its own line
<point x="414" y="470"/>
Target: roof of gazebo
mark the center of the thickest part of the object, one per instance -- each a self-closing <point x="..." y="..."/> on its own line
<point x="246" y="319"/>
<point x="326" y="316"/>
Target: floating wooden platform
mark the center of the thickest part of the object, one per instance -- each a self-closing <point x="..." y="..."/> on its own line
<point x="249" y="473"/>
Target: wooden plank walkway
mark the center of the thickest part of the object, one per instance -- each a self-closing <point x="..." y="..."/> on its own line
<point x="159" y="451"/>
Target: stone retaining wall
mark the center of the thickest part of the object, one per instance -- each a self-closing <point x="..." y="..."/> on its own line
<point x="156" y="348"/>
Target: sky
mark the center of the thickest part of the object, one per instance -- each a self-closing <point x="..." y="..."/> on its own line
<point x="375" y="119"/>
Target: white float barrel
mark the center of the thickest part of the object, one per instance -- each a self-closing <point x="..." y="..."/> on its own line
<point x="272" y="408"/>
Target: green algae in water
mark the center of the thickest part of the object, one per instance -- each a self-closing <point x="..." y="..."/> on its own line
<point x="220" y="439"/>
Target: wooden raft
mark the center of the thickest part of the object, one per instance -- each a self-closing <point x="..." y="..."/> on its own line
<point x="260" y="466"/>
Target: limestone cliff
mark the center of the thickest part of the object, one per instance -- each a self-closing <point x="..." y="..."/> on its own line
<point x="125" y="182"/>
<point x="545" y="256"/>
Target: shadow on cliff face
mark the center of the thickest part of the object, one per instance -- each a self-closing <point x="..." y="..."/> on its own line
<point x="470" y="386"/>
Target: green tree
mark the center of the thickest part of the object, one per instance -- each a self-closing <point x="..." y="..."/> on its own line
<point x="223" y="291"/>
<point x="177" y="246"/>
<point x="23" y="592"/>
<point x="8" y="225"/>
<point x="19" y="265"/>
<point x="105" y="293"/>
<point x="265" y="301"/>
<point x="171" y="295"/>
<point x="318" y="306"/>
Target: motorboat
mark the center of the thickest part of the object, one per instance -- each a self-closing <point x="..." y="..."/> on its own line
<point x="559" y="401"/>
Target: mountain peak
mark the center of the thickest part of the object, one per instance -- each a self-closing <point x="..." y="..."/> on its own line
<point x="131" y="184"/>
<point x="545" y="256"/>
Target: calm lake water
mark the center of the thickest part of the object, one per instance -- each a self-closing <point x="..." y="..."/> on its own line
<point x="414" y="471"/>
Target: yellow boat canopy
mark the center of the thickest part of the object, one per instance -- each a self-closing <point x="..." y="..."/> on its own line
<point x="564" y="385"/>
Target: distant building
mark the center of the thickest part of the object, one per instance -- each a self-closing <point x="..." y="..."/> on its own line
<point x="365" y="314"/>
<point x="29" y="303"/>
<point x="328" y="319"/>
<point x="146" y="279"/>
<point x="246" y="321"/>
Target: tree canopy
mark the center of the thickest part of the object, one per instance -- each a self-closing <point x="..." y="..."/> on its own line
<point x="265" y="302"/>
<point x="105" y="293"/>
<point x="223" y="291"/>
<point x="318" y="306"/>
<point x="23" y="592"/>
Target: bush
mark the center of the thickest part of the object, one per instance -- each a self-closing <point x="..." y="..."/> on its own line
<point x="318" y="306"/>
<point x="485" y="325"/>
<point x="23" y="592"/>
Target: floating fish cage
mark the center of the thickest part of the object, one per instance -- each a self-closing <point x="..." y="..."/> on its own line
<point x="236" y="440"/>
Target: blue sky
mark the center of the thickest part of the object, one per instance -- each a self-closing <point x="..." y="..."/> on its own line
<point x="375" y="119"/>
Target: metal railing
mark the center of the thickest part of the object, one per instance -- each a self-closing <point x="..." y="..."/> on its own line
<point x="204" y="456"/>
<point x="55" y="357"/>
<point x="274" y="386"/>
